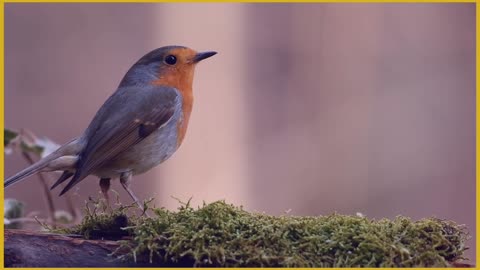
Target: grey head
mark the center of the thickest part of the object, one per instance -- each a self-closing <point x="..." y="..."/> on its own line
<point x="160" y="61"/>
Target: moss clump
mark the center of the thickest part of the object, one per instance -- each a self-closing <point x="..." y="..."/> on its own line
<point x="99" y="222"/>
<point x="220" y="234"/>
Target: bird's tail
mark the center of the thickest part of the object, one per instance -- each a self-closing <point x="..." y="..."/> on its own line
<point x="32" y="169"/>
<point x="64" y="157"/>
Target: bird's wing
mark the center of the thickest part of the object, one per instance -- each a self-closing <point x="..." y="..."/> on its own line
<point x="126" y="118"/>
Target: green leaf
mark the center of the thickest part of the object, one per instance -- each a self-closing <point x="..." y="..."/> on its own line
<point x="9" y="135"/>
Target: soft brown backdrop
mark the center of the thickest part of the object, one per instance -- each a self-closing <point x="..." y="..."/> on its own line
<point x="317" y="108"/>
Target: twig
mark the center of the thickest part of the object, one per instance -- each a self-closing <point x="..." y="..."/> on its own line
<point x="36" y="220"/>
<point x="46" y="190"/>
<point x="73" y="211"/>
<point x="27" y="220"/>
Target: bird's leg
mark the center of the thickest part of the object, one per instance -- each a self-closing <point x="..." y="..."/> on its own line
<point x="105" y="187"/>
<point x="126" y="180"/>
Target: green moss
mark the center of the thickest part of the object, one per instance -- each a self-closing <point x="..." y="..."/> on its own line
<point x="220" y="234"/>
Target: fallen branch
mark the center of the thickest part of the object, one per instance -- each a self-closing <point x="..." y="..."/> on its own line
<point x="37" y="249"/>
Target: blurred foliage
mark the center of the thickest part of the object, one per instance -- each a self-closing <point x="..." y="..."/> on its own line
<point x="64" y="217"/>
<point x="220" y="234"/>
<point x="28" y="143"/>
<point x="13" y="209"/>
<point x="12" y="139"/>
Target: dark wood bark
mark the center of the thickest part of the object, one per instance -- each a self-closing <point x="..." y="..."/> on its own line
<point x="37" y="249"/>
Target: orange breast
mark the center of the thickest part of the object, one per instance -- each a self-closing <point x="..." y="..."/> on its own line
<point x="183" y="83"/>
<point x="187" y="105"/>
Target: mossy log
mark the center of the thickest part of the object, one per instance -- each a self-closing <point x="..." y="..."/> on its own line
<point x="39" y="249"/>
<point x="219" y="234"/>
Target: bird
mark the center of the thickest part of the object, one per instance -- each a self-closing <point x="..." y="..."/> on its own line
<point x="138" y="127"/>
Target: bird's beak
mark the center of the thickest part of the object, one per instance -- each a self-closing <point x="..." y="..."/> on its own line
<point x="202" y="55"/>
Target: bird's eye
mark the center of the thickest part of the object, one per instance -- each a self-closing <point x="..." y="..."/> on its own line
<point x="170" y="59"/>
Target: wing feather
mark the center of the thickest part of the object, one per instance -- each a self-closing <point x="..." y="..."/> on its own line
<point x="127" y="117"/>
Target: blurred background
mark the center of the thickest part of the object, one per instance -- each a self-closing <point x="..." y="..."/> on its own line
<point x="312" y="108"/>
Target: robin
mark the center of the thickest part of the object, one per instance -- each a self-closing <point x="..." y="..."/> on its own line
<point x="139" y="126"/>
